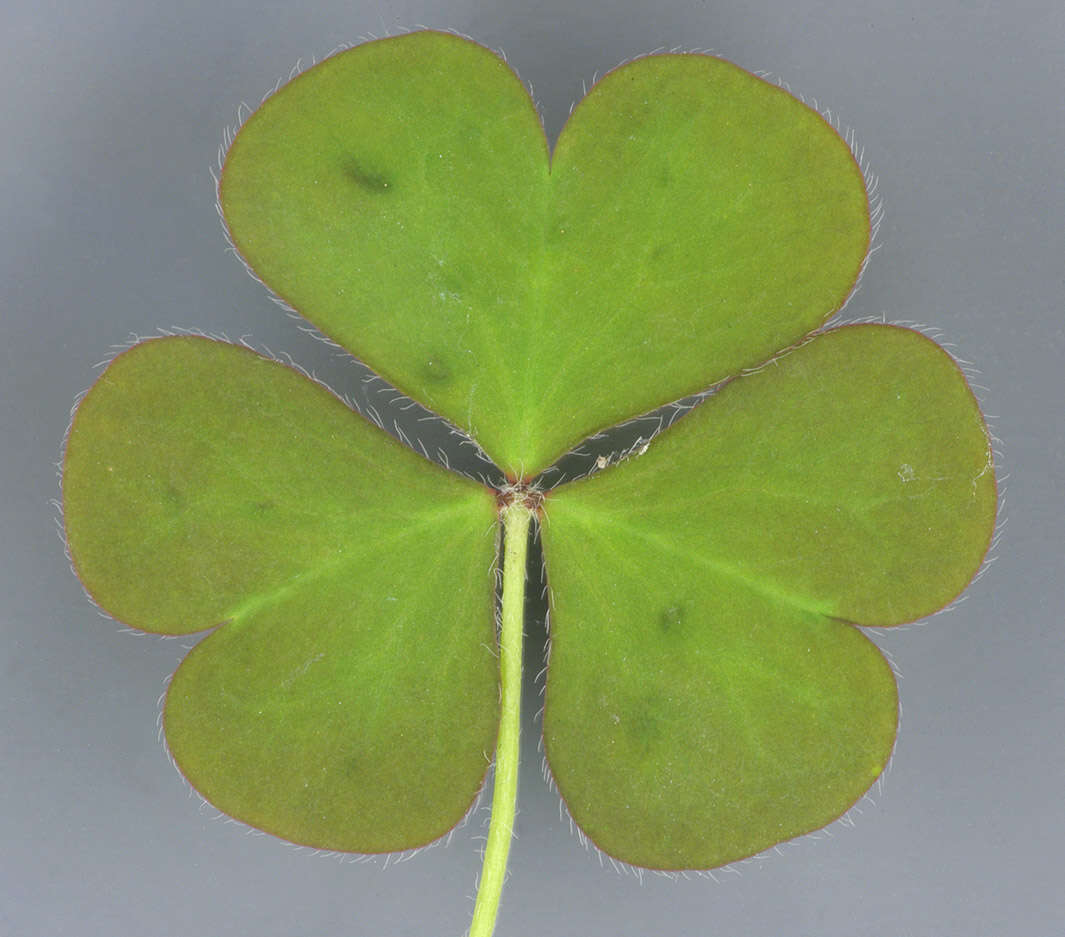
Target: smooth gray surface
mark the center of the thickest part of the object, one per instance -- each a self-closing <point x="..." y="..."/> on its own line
<point x="111" y="115"/>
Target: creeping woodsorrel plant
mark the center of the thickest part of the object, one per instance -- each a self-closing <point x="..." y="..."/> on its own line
<point x="709" y="693"/>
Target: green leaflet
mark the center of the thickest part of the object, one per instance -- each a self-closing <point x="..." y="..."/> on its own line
<point x="695" y="220"/>
<point x="707" y="696"/>
<point x="349" y="698"/>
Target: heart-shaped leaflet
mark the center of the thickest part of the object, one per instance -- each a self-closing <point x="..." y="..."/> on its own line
<point x="347" y="696"/>
<point x="693" y="220"/>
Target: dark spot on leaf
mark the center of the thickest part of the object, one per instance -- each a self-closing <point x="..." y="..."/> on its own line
<point x="174" y="498"/>
<point x="657" y="252"/>
<point x="644" y="725"/>
<point x="671" y="619"/>
<point x="436" y="371"/>
<point x="354" y="765"/>
<point x="366" y="178"/>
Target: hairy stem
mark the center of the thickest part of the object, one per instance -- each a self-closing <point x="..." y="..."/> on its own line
<point x="516" y="518"/>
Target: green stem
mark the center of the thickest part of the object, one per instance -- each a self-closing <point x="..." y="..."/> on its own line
<point x="516" y="518"/>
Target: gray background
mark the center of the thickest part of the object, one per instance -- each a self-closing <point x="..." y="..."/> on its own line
<point x="110" y="118"/>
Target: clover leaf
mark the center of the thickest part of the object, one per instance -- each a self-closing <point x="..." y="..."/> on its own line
<point x="692" y="221"/>
<point x="705" y="674"/>
<point x="709" y="693"/>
